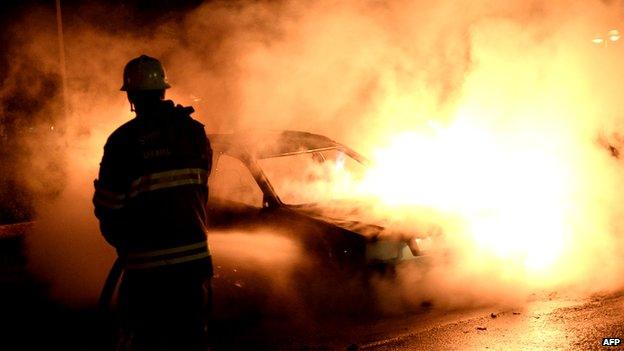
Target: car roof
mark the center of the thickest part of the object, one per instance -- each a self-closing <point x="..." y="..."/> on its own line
<point x="267" y="144"/>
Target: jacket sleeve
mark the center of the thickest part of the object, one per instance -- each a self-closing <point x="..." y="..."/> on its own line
<point x="208" y="155"/>
<point x="109" y="198"/>
<point x="208" y="164"/>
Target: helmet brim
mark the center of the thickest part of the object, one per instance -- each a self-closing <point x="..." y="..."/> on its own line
<point x="126" y="88"/>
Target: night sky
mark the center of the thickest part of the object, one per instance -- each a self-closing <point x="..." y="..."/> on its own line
<point x="18" y="105"/>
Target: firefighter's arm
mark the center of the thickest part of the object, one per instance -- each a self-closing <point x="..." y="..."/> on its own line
<point x="206" y="159"/>
<point x="208" y="156"/>
<point x="109" y="198"/>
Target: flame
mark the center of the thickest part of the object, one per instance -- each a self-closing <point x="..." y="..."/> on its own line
<point x="509" y="197"/>
<point x="511" y="200"/>
<point x="516" y="183"/>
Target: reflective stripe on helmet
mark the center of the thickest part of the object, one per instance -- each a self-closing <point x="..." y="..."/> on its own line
<point x="164" y="257"/>
<point x="168" y="179"/>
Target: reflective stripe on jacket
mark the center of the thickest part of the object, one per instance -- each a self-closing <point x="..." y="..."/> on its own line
<point x="158" y="258"/>
<point x="168" y="179"/>
<point x="108" y="199"/>
<point x="150" y="182"/>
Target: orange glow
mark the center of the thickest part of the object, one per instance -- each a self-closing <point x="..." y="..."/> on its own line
<point x="512" y="174"/>
<point x="511" y="200"/>
<point x="481" y="119"/>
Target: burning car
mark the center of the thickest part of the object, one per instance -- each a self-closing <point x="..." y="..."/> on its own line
<point x="277" y="180"/>
<point x="285" y="182"/>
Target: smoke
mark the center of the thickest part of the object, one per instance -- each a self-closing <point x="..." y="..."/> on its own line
<point x="255" y="269"/>
<point x="509" y="94"/>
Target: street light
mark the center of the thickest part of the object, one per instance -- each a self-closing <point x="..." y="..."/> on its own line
<point x="614" y="35"/>
<point x="611" y="36"/>
<point x="598" y="40"/>
<point x="61" y="43"/>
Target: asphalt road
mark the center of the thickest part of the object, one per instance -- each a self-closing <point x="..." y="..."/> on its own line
<point x="549" y="322"/>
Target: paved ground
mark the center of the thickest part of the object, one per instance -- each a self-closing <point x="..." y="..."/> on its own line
<point x="29" y="320"/>
<point x="556" y="324"/>
<point x="545" y="324"/>
<point x="549" y="322"/>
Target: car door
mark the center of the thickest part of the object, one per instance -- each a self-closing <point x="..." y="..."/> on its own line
<point x="235" y="199"/>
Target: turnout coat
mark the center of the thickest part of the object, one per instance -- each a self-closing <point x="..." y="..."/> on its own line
<point x="151" y="190"/>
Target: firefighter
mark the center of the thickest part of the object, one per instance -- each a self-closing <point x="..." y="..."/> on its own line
<point x="150" y="199"/>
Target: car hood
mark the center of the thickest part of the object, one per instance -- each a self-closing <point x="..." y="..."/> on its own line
<point x="350" y="218"/>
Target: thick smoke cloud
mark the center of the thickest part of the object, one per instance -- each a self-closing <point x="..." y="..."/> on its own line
<point x="522" y="72"/>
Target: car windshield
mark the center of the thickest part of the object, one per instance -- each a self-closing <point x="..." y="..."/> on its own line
<point x="313" y="177"/>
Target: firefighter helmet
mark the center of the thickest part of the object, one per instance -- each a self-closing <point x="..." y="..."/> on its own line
<point x="144" y="73"/>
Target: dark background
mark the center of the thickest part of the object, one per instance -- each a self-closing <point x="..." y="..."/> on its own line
<point x="20" y="102"/>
